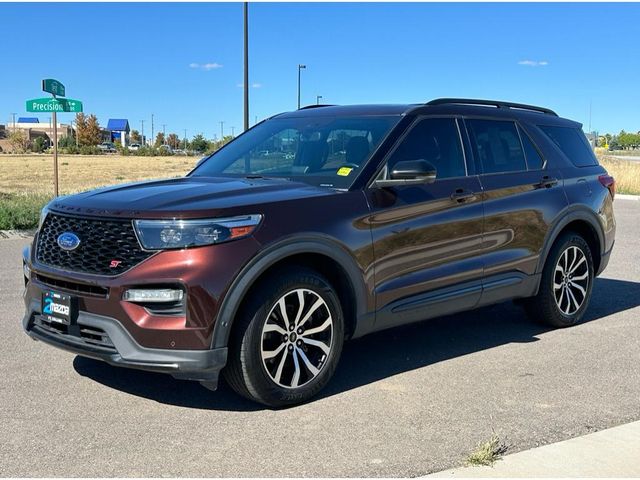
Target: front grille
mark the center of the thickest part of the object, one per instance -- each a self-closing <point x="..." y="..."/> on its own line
<point x="90" y="336"/>
<point x="107" y="247"/>
<point x="73" y="286"/>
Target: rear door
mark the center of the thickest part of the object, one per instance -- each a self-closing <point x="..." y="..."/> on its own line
<point x="427" y="238"/>
<point x="522" y="196"/>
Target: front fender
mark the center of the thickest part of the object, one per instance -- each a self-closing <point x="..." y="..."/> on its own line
<point x="294" y="245"/>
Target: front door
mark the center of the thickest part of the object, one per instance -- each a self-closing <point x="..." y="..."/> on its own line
<point x="427" y="237"/>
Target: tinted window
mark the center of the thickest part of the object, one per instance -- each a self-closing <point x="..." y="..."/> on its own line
<point x="437" y="141"/>
<point x="497" y="145"/>
<point x="534" y="159"/>
<point x="573" y="144"/>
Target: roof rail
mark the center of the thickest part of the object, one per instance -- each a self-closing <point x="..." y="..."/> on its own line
<point x="494" y="103"/>
<point x="307" y="107"/>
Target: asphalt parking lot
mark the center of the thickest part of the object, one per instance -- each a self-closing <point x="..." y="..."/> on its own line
<point x="404" y="402"/>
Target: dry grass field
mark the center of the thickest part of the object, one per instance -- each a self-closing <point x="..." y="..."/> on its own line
<point x="34" y="173"/>
<point x="626" y="173"/>
<point x="26" y="181"/>
<point x="25" y="174"/>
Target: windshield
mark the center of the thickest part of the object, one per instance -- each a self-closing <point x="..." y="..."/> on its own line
<point x="321" y="151"/>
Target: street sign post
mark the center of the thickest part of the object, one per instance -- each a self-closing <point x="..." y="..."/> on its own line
<point x="54" y="87"/>
<point x="54" y="105"/>
<point x="47" y="105"/>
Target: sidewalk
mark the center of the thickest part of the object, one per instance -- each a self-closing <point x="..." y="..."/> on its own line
<point x="614" y="452"/>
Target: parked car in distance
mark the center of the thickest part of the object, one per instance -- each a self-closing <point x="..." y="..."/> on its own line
<point x="134" y="147"/>
<point x="107" y="147"/>
<point x="261" y="266"/>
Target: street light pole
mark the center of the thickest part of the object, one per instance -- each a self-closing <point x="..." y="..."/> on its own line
<point x="152" y="139"/>
<point x="300" y="67"/>
<point x="221" y="131"/>
<point x="318" y="97"/>
<point x="233" y="132"/>
<point x="142" y="133"/>
<point x="164" y="134"/>
<point x="246" y="66"/>
<point x="14" y="121"/>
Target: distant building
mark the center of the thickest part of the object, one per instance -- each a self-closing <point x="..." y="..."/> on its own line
<point x="28" y="120"/>
<point x="33" y="128"/>
<point x="118" y="129"/>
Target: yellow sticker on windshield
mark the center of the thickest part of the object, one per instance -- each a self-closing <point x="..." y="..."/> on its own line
<point x="344" y="171"/>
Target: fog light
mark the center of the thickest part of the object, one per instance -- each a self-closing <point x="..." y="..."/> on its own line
<point x="153" y="295"/>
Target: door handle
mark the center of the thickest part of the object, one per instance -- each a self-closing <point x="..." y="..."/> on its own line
<point x="547" y="182"/>
<point x="462" y="195"/>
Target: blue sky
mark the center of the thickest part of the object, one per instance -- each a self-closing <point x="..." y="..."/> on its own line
<point x="183" y="62"/>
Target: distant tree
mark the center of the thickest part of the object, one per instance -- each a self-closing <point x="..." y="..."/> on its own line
<point x="135" y="137"/>
<point x="19" y="141"/>
<point x="94" y="134"/>
<point x="88" y="130"/>
<point x="173" y="141"/>
<point x="199" y="143"/>
<point x="159" y="139"/>
<point x="184" y="144"/>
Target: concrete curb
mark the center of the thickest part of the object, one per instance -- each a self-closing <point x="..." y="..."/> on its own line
<point x="16" y="234"/>
<point x="623" y="196"/>
<point x="614" y="452"/>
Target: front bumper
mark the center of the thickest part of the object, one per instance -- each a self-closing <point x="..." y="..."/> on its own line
<point x="118" y="348"/>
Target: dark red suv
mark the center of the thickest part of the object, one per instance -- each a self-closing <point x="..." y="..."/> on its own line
<point x="320" y="225"/>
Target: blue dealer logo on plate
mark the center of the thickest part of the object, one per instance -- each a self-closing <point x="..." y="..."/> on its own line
<point x="68" y="241"/>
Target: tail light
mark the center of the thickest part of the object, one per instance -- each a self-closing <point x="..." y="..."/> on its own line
<point x="609" y="183"/>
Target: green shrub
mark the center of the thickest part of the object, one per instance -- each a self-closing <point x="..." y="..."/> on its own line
<point x="39" y="145"/>
<point x="21" y="211"/>
<point x="90" y="150"/>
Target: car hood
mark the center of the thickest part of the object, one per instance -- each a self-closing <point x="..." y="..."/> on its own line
<point x="186" y="197"/>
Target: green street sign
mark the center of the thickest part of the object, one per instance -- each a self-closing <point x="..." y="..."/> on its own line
<point x="52" y="86"/>
<point x="54" y="105"/>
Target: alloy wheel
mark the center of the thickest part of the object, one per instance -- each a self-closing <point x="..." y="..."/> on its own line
<point x="297" y="338"/>
<point x="571" y="280"/>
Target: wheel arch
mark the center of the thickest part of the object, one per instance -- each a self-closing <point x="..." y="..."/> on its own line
<point x="323" y="254"/>
<point x="582" y="221"/>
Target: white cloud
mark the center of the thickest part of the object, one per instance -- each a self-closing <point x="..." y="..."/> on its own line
<point x="533" y="63"/>
<point x="253" y="85"/>
<point x="205" y="66"/>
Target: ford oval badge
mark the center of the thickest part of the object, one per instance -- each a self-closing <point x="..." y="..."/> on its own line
<point x="68" y="241"/>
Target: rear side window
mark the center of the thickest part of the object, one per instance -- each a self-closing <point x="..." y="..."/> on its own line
<point x="436" y="140"/>
<point x="497" y="145"/>
<point x="534" y="159"/>
<point x="573" y="144"/>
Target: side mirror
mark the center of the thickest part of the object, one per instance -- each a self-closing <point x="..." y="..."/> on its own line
<point x="409" y="172"/>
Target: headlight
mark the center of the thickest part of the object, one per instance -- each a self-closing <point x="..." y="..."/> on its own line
<point x="165" y="234"/>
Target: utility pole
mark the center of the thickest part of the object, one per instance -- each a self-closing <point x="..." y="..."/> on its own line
<point x="185" y="139"/>
<point x="233" y="132"/>
<point x="14" y="121"/>
<point x="221" y="130"/>
<point x="142" y="133"/>
<point x="318" y="97"/>
<point x="246" y="66"/>
<point x="300" y="68"/>
<point x="164" y="134"/>
<point x="152" y="132"/>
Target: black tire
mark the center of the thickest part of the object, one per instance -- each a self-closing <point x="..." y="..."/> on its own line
<point x="545" y="306"/>
<point x="246" y="371"/>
